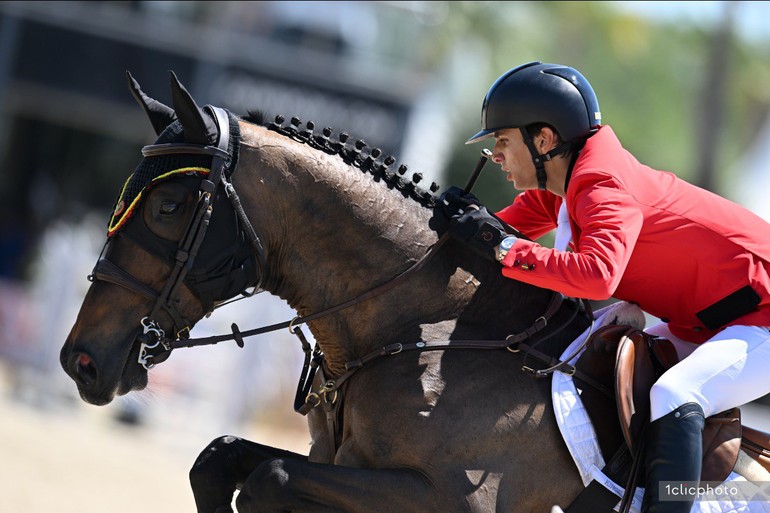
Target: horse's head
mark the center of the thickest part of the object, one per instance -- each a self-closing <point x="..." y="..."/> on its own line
<point x="156" y="277"/>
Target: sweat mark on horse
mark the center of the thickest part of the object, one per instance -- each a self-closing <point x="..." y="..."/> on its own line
<point x="444" y="430"/>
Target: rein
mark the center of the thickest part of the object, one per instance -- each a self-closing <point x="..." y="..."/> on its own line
<point x="306" y="400"/>
<point x="156" y="346"/>
<point x="238" y="335"/>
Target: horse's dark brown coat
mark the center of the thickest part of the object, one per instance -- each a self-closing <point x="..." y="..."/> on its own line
<point x="451" y="431"/>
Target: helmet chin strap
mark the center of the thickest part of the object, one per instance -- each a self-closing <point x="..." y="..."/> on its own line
<point x="540" y="160"/>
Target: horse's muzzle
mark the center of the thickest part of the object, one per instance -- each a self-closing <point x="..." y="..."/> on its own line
<point x="81" y="367"/>
<point x="97" y="384"/>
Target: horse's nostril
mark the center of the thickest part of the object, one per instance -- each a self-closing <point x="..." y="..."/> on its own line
<point x="84" y="369"/>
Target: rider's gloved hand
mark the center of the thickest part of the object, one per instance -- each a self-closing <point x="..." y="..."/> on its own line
<point x="479" y="229"/>
<point x="449" y="206"/>
<point x="454" y="201"/>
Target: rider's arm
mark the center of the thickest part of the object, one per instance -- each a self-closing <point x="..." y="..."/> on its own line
<point x="609" y="222"/>
<point x="533" y="213"/>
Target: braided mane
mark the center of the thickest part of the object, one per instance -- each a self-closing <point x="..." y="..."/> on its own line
<point x="352" y="154"/>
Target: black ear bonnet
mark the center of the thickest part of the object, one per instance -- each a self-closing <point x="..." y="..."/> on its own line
<point x="226" y="264"/>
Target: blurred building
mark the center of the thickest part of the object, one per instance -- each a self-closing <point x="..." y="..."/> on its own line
<point x="70" y="130"/>
<point x="70" y="134"/>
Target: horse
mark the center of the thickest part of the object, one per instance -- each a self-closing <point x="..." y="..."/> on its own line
<point x="411" y="409"/>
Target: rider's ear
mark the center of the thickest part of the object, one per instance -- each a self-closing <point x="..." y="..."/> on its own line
<point x="160" y="115"/>
<point x="198" y="127"/>
<point x="547" y="139"/>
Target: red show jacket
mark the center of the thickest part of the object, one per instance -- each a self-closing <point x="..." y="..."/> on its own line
<point x="643" y="236"/>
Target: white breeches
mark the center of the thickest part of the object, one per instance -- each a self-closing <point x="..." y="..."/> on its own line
<point x="730" y="369"/>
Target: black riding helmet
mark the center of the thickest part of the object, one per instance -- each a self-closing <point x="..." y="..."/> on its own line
<point x="541" y="93"/>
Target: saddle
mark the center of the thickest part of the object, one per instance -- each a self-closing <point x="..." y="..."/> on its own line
<point x="624" y="361"/>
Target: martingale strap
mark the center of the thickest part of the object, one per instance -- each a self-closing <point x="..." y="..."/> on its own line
<point x="514" y="343"/>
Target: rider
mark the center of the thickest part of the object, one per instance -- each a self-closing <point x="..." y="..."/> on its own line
<point x="695" y="260"/>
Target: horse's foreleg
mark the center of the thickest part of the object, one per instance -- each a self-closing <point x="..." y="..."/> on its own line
<point x="223" y="466"/>
<point x="290" y="485"/>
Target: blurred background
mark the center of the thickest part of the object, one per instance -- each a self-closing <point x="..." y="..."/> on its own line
<point x="685" y="85"/>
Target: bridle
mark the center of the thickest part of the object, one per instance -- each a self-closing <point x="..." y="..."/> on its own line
<point x="155" y="345"/>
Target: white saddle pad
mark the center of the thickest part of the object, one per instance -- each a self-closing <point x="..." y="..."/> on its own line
<point x="580" y="437"/>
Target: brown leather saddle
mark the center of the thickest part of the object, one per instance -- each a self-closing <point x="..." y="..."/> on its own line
<point x="624" y="361"/>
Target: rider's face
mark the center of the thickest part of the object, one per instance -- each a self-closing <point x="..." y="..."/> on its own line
<point x="514" y="158"/>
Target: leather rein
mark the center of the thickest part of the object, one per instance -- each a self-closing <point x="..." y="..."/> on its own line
<point x="156" y="346"/>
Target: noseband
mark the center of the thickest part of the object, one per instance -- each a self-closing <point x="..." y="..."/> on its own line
<point x="155" y="345"/>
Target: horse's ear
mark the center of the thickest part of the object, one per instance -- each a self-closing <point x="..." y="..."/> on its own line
<point x="198" y="127"/>
<point x="160" y="115"/>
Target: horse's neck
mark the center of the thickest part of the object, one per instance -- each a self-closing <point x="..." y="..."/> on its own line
<point x="332" y="233"/>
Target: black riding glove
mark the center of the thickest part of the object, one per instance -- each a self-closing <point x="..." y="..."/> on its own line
<point x="449" y="206"/>
<point x="479" y="229"/>
<point x="454" y="202"/>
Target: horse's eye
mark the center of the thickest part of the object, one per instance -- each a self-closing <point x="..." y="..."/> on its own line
<point x="168" y="208"/>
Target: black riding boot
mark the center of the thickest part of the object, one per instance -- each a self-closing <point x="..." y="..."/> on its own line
<point x="674" y="453"/>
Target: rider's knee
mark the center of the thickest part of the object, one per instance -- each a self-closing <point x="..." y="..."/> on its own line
<point x="666" y="395"/>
